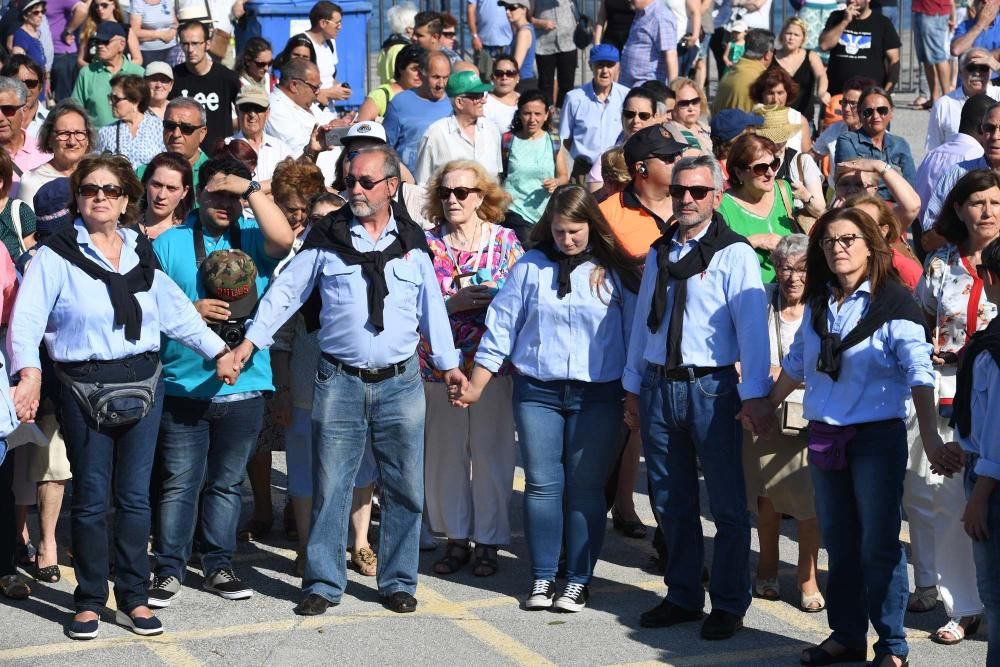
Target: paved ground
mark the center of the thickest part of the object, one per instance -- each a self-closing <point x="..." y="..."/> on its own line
<point x="461" y="619"/>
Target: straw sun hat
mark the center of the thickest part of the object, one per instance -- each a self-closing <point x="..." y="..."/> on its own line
<point x="775" y="126"/>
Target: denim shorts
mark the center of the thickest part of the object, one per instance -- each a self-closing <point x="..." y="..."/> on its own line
<point x="930" y="34"/>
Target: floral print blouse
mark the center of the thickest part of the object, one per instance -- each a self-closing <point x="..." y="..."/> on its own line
<point x="467" y="326"/>
<point x="949" y="291"/>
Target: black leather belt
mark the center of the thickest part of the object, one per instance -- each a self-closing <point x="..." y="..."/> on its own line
<point x="864" y="426"/>
<point x="689" y="373"/>
<point x="368" y="374"/>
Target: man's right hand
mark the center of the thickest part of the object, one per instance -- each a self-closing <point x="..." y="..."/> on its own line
<point x="988" y="13"/>
<point x="212" y="310"/>
<point x="477" y="44"/>
<point x="632" y="411"/>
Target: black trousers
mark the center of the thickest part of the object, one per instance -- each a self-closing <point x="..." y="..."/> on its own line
<point x="8" y="539"/>
<point x="562" y="65"/>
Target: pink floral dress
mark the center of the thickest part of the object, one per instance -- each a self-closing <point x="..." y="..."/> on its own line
<point x="501" y="249"/>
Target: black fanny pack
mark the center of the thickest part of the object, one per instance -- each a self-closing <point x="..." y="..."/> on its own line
<point x="113" y="393"/>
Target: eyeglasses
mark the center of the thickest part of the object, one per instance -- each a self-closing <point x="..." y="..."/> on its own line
<point x="461" y="194"/>
<point x="989" y="129"/>
<point x="9" y="110"/>
<point x="845" y="241"/>
<point x="35" y="12"/>
<point x="666" y="159"/>
<point x="191" y="45"/>
<point x="114" y="99"/>
<point x="251" y="108"/>
<point x="760" y="169"/>
<point x="449" y="35"/>
<point x="263" y="64"/>
<point x="187" y="129"/>
<point x="90" y="190"/>
<point x="693" y="102"/>
<point x="64" y="135"/>
<point x="474" y="97"/>
<point x="366" y="182"/>
<point x="698" y="192"/>
<point x="643" y="115"/>
<point x="848" y="104"/>
<point x="312" y="87"/>
<point x="791" y="272"/>
<point x="504" y="73"/>
<point x="978" y="69"/>
<point x="871" y="111"/>
<point x="31" y="84"/>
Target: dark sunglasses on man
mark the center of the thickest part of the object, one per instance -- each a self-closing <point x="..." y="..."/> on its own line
<point x="187" y="129"/>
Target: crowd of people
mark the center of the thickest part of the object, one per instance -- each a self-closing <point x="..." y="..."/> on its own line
<point x="207" y="259"/>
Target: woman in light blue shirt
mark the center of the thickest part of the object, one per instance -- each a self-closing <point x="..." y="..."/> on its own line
<point x="563" y="319"/>
<point x="862" y="351"/>
<point x="95" y="296"/>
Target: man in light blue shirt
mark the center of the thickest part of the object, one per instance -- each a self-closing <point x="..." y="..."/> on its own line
<point x="489" y="28"/>
<point x="411" y="112"/>
<point x="681" y="371"/>
<point x="379" y="294"/>
<point x="650" y="52"/>
<point x="209" y="429"/>
<point x="591" y="118"/>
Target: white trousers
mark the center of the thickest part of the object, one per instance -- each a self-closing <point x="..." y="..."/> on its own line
<point x="469" y="463"/>
<point x="942" y="551"/>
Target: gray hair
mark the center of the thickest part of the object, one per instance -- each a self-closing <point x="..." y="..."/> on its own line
<point x="758" y="43"/>
<point x="9" y="84"/>
<point x="400" y="17"/>
<point x="390" y="160"/>
<point x="968" y="55"/>
<point x="187" y="103"/>
<point x="788" y="247"/>
<point x="46" y="133"/>
<point x="296" y="68"/>
<point x="700" y="162"/>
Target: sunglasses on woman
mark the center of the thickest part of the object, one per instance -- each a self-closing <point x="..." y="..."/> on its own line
<point x="263" y="64"/>
<point x="643" y="115"/>
<point x="504" y="73"/>
<point x="693" y="102"/>
<point x="461" y="194"/>
<point x="90" y="190"/>
<point x="871" y="111"/>
<point x="761" y="168"/>
<point x="31" y="84"/>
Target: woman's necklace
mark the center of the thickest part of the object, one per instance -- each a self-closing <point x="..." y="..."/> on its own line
<point x="464" y="243"/>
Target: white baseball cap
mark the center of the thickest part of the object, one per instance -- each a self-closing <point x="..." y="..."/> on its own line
<point x="159" y="67"/>
<point x="365" y="130"/>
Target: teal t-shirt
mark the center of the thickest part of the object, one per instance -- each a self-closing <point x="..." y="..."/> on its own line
<point x="185" y="373"/>
<point x="529" y="164"/>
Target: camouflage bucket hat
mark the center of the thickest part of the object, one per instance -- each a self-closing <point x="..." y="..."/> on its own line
<point x="231" y="276"/>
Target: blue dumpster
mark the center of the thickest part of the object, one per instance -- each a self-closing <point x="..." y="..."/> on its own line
<point x="280" y="19"/>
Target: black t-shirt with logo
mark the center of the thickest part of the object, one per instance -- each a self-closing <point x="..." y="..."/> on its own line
<point x="217" y="91"/>
<point x="860" y="51"/>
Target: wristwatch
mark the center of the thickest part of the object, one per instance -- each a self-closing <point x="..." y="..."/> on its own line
<point x="888" y="167"/>
<point x="254" y="187"/>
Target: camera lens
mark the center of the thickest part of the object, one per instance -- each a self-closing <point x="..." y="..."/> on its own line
<point x="232" y="335"/>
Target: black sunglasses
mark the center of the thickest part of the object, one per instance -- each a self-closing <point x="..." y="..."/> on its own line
<point x="366" y="182"/>
<point x="977" y="69"/>
<point x="186" y="129"/>
<point x="263" y="65"/>
<point x="461" y="194"/>
<point x="90" y="190"/>
<point x="9" y="110"/>
<point x="629" y="115"/>
<point x="30" y="83"/>
<point x="871" y="111"/>
<point x="693" y="102"/>
<point x="761" y="168"/>
<point x="473" y="97"/>
<point x="246" y="107"/>
<point x="698" y="192"/>
<point x="501" y="73"/>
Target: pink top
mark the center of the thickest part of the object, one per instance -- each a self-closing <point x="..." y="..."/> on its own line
<point x="909" y="269"/>
<point x="27" y="159"/>
<point x="8" y="285"/>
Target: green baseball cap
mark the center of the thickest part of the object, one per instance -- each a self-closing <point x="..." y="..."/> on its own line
<point x="465" y="82"/>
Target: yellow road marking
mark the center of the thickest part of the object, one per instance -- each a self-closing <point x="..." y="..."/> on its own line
<point x="173" y="654"/>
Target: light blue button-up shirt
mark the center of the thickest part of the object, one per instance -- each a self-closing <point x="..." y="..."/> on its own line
<point x="413" y="306"/>
<point x="725" y="319"/>
<point x="944" y="186"/>
<point x="72" y="312"/>
<point x="855" y="144"/>
<point x="939" y="161"/>
<point x="582" y="336"/>
<point x="492" y="23"/>
<point x="875" y="375"/>
<point x="593" y="125"/>
<point x="984" y="438"/>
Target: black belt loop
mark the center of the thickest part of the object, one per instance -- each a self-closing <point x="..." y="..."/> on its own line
<point x="370" y="375"/>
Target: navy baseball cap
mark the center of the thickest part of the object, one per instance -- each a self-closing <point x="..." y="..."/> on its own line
<point x="729" y="123"/>
<point x="604" y="53"/>
<point x="110" y="29"/>
<point x="51" y="208"/>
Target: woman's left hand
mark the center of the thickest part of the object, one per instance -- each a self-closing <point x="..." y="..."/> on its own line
<point x="861" y="164"/>
<point x="550" y="184"/>
<point x="801" y="191"/>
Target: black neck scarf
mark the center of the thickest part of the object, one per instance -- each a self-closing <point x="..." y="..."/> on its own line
<point x="121" y="288"/>
<point x="892" y="302"/>
<point x="717" y="236"/>
<point x="987" y="340"/>
<point x="566" y="265"/>
<point x="333" y="233"/>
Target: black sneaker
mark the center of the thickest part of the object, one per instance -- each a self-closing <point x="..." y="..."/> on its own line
<point x="225" y="584"/>
<point x="573" y="598"/>
<point x="163" y="591"/>
<point x="542" y="592"/>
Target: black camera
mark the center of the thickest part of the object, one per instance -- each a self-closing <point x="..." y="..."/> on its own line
<point x="231" y="331"/>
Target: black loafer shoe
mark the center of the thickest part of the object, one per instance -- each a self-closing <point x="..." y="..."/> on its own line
<point x="313" y="605"/>
<point x="400" y="602"/>
<point x="666" y="614"/>
<point x="720" y="625"/>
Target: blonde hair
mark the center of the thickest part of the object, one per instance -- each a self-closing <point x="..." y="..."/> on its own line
<point x="681" y="82"/>
<point x="796" y="21"/>
<point x="495" y="199"/>
<point x="613" y="167"/>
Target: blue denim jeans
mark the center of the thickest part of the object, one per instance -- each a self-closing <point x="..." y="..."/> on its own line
<point x="202" y="456"/>
<point x="987" y="557"/>
<point x="569" y="444"/>
<point x="345" y="412"/>
<point x="116" y="460"/>
<point x="684" y="422"/>
<point x="859" y="512"/>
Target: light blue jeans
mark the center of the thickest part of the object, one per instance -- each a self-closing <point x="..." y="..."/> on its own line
<point x="346" y="411"/>
<point x="987" y="557"/>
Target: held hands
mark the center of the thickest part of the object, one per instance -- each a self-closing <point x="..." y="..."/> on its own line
<point x="757" y="415"/>
<point x="945" y="458"/>
<point x="27" y="395"/>
<point x="459" y="388"/>
<point x="229" y="366"/>
<point x="632" y="411"/>
<point x="212" y="310"/>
